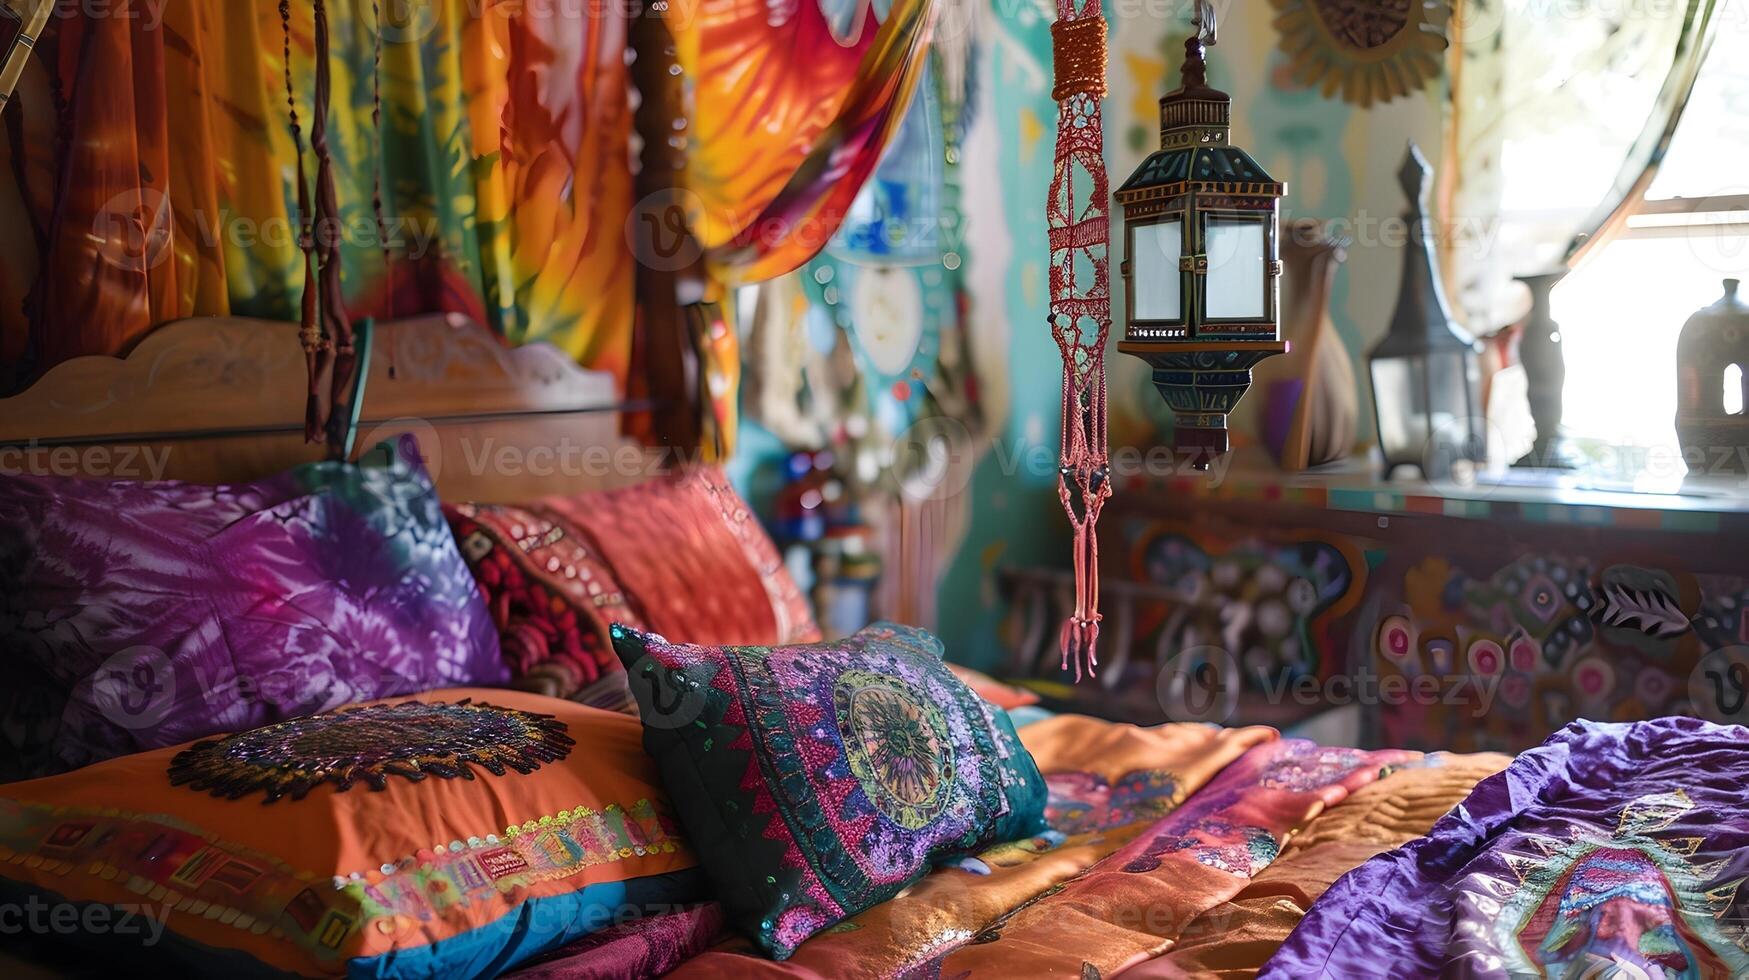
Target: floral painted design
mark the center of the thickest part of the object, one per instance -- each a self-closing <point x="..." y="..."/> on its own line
<point x="1082" y="802"/>
<point x="1237" y="849"/>
<point x="142" y="615"/>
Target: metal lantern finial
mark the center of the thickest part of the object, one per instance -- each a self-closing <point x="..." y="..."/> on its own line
<point x="1202" y="268"/>
<point x="1206" y="28"/>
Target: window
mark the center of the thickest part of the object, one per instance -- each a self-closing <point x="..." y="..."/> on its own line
<point x="1620" y="314"/>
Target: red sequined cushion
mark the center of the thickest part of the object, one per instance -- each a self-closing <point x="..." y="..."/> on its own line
<point x="550" y="595"/>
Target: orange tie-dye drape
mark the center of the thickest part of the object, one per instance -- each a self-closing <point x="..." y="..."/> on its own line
<point x="790" y="113"/>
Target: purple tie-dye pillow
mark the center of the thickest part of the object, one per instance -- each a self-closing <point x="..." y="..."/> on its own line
<point x="140" y="615"/>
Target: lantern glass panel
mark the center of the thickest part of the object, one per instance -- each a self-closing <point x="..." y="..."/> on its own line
<point x="1238" y="262"/>
<point x="1402" y="407"/>
<point x="1426" y="410"/>
<point x="1155" y="250"/>
<point x="1457" y="432"/>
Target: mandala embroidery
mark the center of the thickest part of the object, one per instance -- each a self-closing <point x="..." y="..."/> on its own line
<point x="412" y="740"/>
<point x="897" y="748"/>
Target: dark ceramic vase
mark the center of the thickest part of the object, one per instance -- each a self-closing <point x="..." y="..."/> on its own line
<point x="1712" y="354"/>
<point x="1545" y="372"/>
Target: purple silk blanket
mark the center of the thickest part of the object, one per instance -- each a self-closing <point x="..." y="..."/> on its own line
<point x="1610" y="850"/>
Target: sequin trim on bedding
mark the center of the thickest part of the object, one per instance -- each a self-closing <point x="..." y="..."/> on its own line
<point x="198" y="875"/>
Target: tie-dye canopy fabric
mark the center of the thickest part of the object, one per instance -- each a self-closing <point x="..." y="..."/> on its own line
<point x="793" y="101"/>
<point x="500" y="160"/>
<point x="496" y="135"/>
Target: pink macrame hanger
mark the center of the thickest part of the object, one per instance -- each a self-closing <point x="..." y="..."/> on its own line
<point x="1080" y="311"/>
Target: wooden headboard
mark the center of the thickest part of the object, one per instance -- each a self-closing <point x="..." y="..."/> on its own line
<point x="221" y="399"/>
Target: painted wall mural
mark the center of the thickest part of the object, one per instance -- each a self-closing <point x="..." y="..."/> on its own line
<point x="1270" y="602"/>
<point x="1543" y="640"/>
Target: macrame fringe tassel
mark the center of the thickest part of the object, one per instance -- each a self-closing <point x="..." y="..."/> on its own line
<point x="1080" y="640"/>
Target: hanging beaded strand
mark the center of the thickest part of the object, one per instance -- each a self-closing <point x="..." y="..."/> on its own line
<point x="376" y="196"/>
<point x="328" y="220"/>
<point x="1080" y="317"/>
<point x="316" y="345"/>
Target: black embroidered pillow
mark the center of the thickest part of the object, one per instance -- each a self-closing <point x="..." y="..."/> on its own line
<point x="818" y="780"/>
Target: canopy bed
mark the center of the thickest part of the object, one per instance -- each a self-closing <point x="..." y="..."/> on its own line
<point x="347" y="647"/>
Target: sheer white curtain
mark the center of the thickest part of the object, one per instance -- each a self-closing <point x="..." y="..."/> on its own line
<point x="1559" y="108"/>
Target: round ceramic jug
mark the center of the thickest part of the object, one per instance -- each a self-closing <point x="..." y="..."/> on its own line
<point x="1712" y="389"/>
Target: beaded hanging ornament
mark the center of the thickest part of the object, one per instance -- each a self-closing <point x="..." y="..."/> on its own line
<point x="326" y="331"/>
<point x="1080" y="318"/>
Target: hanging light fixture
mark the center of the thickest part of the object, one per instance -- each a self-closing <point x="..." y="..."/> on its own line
<point x="1202" y="266"/>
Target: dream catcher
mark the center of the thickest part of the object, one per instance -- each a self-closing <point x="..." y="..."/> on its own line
<point x="1080" y="316"/>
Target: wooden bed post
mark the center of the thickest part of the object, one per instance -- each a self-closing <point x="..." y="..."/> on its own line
<point x="663" y="350"/>
<point x="21" y="23"/>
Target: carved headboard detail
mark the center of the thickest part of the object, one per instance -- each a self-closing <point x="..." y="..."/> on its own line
<point x="222" y="399"/>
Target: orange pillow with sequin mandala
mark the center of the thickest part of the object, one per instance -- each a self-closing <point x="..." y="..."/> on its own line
<point x="455" y="833"/>
<point x="1002" y="695"/>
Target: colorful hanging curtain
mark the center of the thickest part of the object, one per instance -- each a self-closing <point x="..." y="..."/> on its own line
<point x="792" y="106"/>
<point x="478" y="154"/>
<point x="150" y="172"/>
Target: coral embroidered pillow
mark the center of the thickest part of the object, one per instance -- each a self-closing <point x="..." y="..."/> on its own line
<point x="453" y="834"/>
<point x="138" y="615"/>
<point x="682" y="555"/>
<point x="816" y="781"/>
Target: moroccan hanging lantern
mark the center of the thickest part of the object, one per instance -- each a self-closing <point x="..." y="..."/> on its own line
<point x="1202" y="266"/>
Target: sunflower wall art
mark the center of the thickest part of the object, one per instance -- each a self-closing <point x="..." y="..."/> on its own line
<point x="1363" y="51"/>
